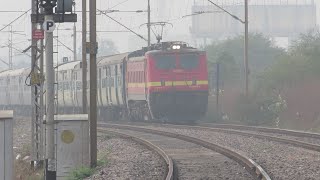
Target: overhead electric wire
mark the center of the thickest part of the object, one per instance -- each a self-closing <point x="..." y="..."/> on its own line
<point x="63" y="44"/>
<point x="15" y="20"/>
<point x="11" y="11"/>
<point x="119" y="4"/>
<point x="4" y="62"/>
<point x="140" y="36"/>
<point x="20" y="51"/>
<point x="233" y="16"/>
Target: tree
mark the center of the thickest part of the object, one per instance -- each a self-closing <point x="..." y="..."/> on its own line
<point x="301" y="62"/>
<point x="295" y="77"/>
<point x="107" y="47"/>
<point x="262" y="54"/>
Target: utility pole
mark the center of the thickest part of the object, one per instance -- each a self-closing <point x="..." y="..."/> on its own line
<point x="37" y="140"/>
<point x="10" y="47"/>
<point x="84" y="56"/>
<point x="74" y="42"/>
<point x="93" y="84"/>
<point x="246" y="49"/>
<point x="149" y="24"/>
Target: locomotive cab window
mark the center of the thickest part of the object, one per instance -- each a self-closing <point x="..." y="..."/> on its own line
<point x="189" y="61"/>
<point x="165" y="61"/>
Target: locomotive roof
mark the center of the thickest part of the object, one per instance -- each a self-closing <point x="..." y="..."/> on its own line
<point x="112" y="59"/>
<point x="68" y="66"/>
<point x="188" y="50"/>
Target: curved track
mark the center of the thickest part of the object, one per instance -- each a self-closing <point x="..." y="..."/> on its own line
<point x="264" y="129"/>
<point x="271" y="137"/>
<point x="253" y="168"/>
<point x="310" y="141"/>
<point x="149" y="145"/>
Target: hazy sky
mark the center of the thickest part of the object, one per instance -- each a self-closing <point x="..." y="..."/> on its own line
<point x="172" y="13"/>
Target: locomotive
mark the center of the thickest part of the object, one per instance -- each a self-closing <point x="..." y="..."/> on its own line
<point x="168" y="80"/>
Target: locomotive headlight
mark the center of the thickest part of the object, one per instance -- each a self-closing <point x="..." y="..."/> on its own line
<point x="176" y="47"/>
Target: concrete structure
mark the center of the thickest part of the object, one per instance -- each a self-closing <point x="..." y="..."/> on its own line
<point x="285" y="19"/>
<point x="72" y="137"/>
<point x="6" y="145"/>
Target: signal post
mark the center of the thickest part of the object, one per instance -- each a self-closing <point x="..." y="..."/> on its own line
<point x="47" y="20"/>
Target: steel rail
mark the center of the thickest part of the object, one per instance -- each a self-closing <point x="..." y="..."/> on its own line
<point x="256" y="170"/>
<point x="150" y="146"/>
<point x="224" y="129"/>
<point x="309" y="146"/>
<point x="265" y="129"/>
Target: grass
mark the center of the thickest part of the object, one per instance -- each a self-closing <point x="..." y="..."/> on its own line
<point x="81" y="173"/>
<point x="84" y="172"/>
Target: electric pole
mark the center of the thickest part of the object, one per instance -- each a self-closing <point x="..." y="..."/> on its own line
<point x="218" y="92"/>
<point x="10" y="47"/>
<point x="74" y="42"/>
<point x="93" y="84"/>
<point x="149" y="24"/>
<point x="84" y="56"/>
<point x="246" y="40"/>
<point x="37" y="137"/>
<point x="246" y="49"/>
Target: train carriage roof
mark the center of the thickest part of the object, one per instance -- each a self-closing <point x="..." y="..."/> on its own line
<point x="117" y="58"/>
<point x="15" y="72"/>
<point x="68" y="66"/>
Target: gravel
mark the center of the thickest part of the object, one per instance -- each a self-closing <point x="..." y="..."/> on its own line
<point x="193" y="161"/>
<point x="303" y="139"/>
<point x="128" y="160"/>
<point x="22" y="136"/>
<point x="281" y="161"/>
<point x="125" y="159"/>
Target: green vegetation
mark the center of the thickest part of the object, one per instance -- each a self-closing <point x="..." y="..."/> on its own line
<point x="300" y="63"/>
<point x="274" y="73"/>
<point x="81" y="173"/>
<point x="84" y="172"/>
<point x="229" y="53"/>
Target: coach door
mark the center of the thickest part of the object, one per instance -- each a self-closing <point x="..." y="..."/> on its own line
<point x="109" y="77"/>
<point x="20" y="88"/>
<point x="100" y="102"/>
<point x="116" y="77"/>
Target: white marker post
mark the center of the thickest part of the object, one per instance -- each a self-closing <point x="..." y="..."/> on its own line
<point x="49" y="27"/>
<point x="6" y="145"/>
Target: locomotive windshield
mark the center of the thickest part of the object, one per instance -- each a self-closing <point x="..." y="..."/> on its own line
<point x="189" y="61"/>
<point x="165" y="61"/>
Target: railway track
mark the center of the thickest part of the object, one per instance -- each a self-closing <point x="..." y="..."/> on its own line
<point x="149" y="145"/>
<point x="267" y="133"/>
<point x="310" y="141"/>
<point x="281" y="132"/>
<point x="188" y="157"/>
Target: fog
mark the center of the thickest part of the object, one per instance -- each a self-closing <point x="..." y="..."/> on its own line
<point x="164" y="10"/>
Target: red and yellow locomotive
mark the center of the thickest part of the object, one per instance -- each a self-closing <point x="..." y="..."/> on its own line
<point x="169" y="81"/>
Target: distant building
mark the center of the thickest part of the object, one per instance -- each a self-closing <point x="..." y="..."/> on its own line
<point x="272" y="18"/>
